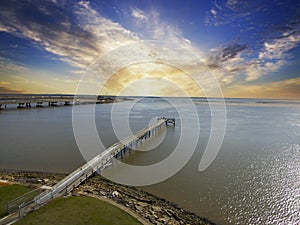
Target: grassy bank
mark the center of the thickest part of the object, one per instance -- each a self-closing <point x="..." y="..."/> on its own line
<point x="78" y="210"/>
<point x="149" y="207"/>
<point x="8" y="193"/>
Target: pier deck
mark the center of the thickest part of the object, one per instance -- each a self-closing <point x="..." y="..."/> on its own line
<point x="96" y="164"/>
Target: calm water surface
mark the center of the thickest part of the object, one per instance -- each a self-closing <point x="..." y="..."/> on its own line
<point x="255" y="178"/>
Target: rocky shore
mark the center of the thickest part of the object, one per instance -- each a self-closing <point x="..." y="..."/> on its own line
<point x="151" y="208"/>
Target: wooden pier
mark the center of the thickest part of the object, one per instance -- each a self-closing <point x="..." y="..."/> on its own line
<point x="96" y="164"/>
<point x="169" y="120"/>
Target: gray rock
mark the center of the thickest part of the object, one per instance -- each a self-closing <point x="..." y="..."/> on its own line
<point x="156" y="208"/>
<point x="163" y="220"/>
<point x="102" y="193"/>
<point x="138" y="207"/>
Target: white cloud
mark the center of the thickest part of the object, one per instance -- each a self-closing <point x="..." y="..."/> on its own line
<point x="92" y="36"/>
<point x="256" y="70"/>
<point x="151" y="27"/>
<point x="232" y="3"/>
<point x="273" y="56"/>
<point x="227" y="61"/>
<point x="8" y="66"/>
<point x="138" y="14"/>
<point x="78" y="44"/>
<point x="278" y="48"/>
<point x="4" y="28"/>
<point x="213" y="11"/>
<point x="187" y="41"/>
<point x="230" y="59"/>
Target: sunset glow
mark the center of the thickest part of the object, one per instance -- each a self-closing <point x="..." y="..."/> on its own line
<point x="250" y="47"/>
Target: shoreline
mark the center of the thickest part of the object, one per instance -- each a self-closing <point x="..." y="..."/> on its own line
<point x="148" y="207"/>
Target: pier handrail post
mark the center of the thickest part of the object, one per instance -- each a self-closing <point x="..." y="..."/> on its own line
<point x="99" y="161"/>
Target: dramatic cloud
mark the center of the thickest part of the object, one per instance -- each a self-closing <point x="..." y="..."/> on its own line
<point x="83" y="37"/>
<point x="227" y="61"/>
<point x="80" y="34"/>
<point x="231" y="60"/>
<point x="154" y="78"/>
<point x="273" y="42"/>
<point x="77" y="43"/>
<point x="224" y="54"/>
<point x="274" y="55"/>
<point x="256" y="60"/>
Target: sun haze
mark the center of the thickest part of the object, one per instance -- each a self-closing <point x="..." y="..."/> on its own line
<point x="250" y="47"/>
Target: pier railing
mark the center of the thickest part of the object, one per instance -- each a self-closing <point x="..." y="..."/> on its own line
<point x="96" y="164"/>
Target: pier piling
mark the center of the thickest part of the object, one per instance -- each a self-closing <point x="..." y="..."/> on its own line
<point x="96" y="164"/>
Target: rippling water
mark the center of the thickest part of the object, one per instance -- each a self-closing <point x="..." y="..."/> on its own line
<point x="255" y="178"/>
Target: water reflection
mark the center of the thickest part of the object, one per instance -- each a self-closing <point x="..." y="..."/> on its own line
<point x="255" y="179"/>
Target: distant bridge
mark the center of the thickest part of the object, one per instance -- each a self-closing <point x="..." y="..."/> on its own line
<point x="96" y="164"/>
<point x="29" y="101"/>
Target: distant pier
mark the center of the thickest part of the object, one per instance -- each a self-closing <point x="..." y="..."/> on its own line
<point x="24" y="101"/>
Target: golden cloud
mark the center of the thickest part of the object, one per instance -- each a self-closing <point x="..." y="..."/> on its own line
<point x="151" y="78"/>
<point x="281" y="89"/>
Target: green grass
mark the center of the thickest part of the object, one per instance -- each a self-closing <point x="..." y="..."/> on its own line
<point x="8" y="193"/>
<point x="79" y="210"/>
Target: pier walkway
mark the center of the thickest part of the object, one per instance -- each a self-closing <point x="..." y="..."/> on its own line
<point x="96" y="164"/>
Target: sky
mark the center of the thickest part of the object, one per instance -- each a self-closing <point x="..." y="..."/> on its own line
<point x="230" y="48"/>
